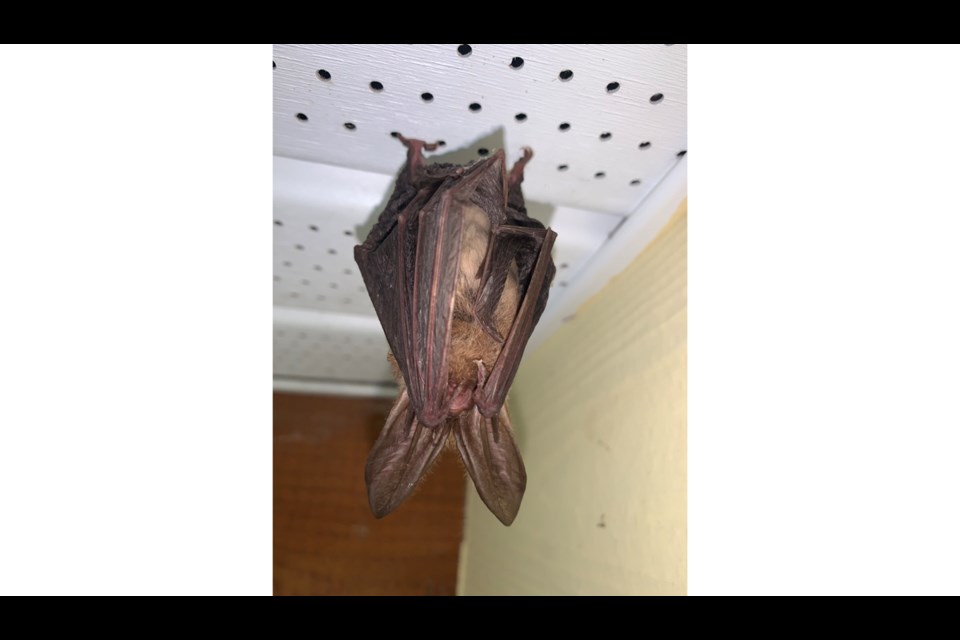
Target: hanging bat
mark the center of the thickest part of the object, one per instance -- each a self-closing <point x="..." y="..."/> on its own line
<point x="458" y="274"/>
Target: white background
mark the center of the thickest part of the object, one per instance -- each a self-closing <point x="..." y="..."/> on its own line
<point x="136" y="441"/>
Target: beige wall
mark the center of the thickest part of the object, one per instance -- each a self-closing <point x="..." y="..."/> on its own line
<point x="600" y="411"/>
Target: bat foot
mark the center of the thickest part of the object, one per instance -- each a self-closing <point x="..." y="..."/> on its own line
<point x="415" y="145"/>
<point x="415" y="152"/>
<point x="516" y="173"/>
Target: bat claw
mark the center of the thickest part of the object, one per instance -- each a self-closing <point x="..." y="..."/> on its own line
<point x="415" y="152"/>
<point x="416" y="145"/>
<point x="481" y="373"/>
<point x="516" y="173"/>
<point x="483" y="406"/>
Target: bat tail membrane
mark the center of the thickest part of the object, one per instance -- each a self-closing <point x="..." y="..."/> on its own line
<point x="493" y="461"/>
<point x="401" y="455"/>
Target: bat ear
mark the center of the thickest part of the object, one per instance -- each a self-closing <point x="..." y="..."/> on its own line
<point x="493" y="461"/>
<point x="401" y="455"/>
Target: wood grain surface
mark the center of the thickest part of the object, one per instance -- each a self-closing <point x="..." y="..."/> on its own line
<point x="326" y="542"/>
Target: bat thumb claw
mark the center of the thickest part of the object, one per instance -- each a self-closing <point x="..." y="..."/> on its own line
<point x="481" y="373"/>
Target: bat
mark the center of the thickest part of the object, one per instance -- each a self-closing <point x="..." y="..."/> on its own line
<point x="459" y="275"/>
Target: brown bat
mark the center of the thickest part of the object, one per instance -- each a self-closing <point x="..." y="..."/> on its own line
<point x="458" y="274"/>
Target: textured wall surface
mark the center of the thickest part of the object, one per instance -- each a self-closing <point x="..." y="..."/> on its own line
<point x="600" y="411"/>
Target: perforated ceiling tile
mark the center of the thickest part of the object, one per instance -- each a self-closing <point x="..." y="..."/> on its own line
<point x="320" y="211"/>
<point x="610" y="114"/>
<point x="606" y="123"/>
<point x="331" y="347"/>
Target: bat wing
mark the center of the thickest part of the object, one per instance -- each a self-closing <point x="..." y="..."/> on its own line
<point x="411" y="265"/>
<point x="493" y="461"/>
<point x="401" y="455"/>
<point x="530" y="247"/>
<point x="526" y="243"/>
